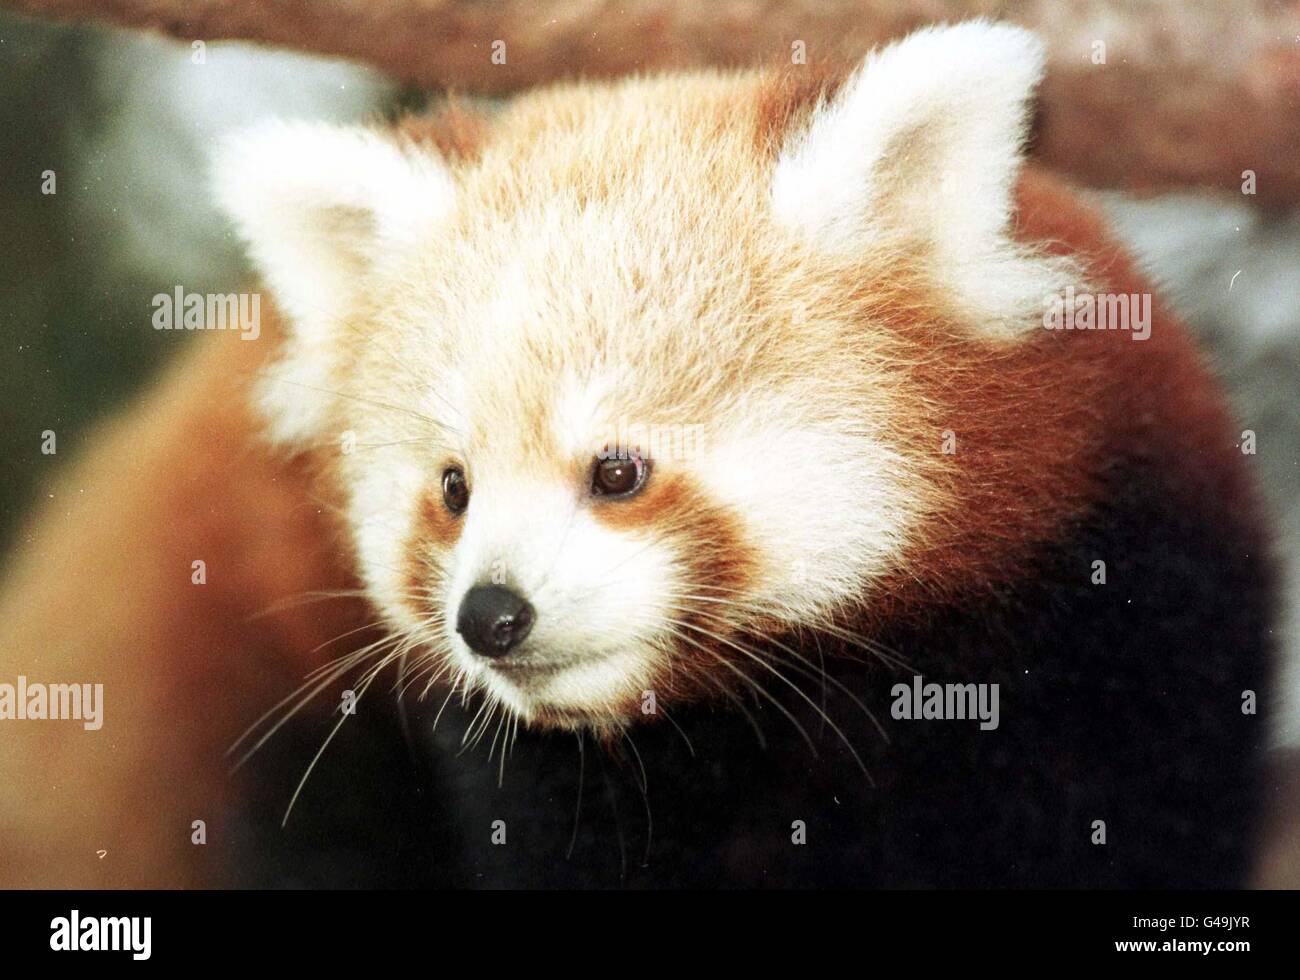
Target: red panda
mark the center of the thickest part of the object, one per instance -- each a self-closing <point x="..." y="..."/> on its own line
<point x="723" y="433"/>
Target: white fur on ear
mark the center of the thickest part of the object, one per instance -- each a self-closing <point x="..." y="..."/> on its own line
<point x="317" y="205"/>
<point x="923" y="143"/>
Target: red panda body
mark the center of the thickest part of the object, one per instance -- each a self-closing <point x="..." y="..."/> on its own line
<point x="1074" y="528"/>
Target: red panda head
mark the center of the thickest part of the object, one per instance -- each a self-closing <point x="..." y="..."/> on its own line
<point x="628" y="375"/>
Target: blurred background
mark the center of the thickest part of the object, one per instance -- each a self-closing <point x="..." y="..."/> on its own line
<point x="125" y="119"/>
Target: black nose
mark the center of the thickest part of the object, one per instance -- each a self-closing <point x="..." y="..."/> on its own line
<point x="493" y="620"/>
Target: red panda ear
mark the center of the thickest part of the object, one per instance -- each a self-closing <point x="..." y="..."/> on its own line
<point x="317" y="205"/>
<point x="921" y="146"/>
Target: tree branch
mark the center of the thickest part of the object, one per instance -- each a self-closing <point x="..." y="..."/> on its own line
<point x="1191" y="94"/>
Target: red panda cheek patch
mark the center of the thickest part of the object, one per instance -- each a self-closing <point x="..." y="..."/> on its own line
<point x="708" y="538"/>
<point x="435" y="531"/>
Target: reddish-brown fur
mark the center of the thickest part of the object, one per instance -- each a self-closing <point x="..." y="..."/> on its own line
<point x="101" y="593"/>
<point x="788" y="97"/>
<point x="1033" y="420"/>
<point x="457" y="132"/>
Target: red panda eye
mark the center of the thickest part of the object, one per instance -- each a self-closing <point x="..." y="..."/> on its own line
<point x="455" y="491"/>
<point x="618" y="476"/>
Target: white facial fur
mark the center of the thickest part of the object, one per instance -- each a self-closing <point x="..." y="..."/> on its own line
<point x="504" y="316"/>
